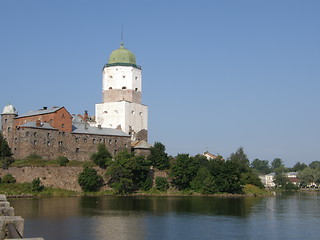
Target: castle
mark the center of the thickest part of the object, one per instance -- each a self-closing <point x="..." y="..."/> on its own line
<point x="120" y="122"/>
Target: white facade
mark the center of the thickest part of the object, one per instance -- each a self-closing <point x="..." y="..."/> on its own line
<point x="118" y="77"/>
<point x="121" y="97"/>
<point x="130" y="117"/>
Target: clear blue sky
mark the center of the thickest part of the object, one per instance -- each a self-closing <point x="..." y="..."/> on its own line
<point x="216" y="74"/>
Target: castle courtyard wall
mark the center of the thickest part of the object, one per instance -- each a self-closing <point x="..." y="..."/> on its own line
<point x="51" y="144"/>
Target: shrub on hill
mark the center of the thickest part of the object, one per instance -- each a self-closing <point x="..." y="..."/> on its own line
<point x="8" y="178"/>
<point x="63" y="161"/>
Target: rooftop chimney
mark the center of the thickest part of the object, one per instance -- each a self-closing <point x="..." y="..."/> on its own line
<point x="38" y="123"/>
<point x="85" y="116"/>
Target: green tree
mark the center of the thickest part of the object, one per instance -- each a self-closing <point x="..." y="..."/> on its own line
<point x="162" y="184"/>
<point x="8" y="178"/>
<point x="314" y="164"/>
<point x="226" y="175"/>
<point x="129" y="173"/>
<point x="184" y="170"/>
<point x="36" y="185"/>
<point x="241" y="159"/>
<point x="309" y="176"/>
<point x="89" y="180"/>
<point x="158" y="156"/>
<point x="102" y="157"/>
<point x="203" y="182"/>
<point x="261" y="166"/>
<point x="5" y="153"/>
<point x="276" y="163"/>
<point x="299" y="167"/>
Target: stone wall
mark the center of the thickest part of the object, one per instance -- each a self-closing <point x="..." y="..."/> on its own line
<point x="51" y="144"/>
<point x="58" y="177"/>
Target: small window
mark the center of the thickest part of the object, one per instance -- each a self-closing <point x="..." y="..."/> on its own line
<point x="5" y="121"/>
<point x="124" y="87"/>
<point x="105" y="112"/>
<point x="110" y="141"/>
<point x="60" y="143"/>
<point x="9" y="129"/>
<point x="110" y="88"/>
<point x="77" y="139"/>
<point x="115" y="141"/>
<point x="110" y="76"/>
<point x="35" y="134"/>
<point x="123" y="76"/>
<point x="35" y="142"/>
<point x="48" y="135"/>
<point x="93" y="141"/>
<point x="27" y="133"/>
<point x="62" y="125"/>
<point x="136" y="89"/>
<point x="48" y="143"/>
<point x="140" y="113"/>
<point x="85" y="140"/>
<point x="16" y="139"/>
<point x="136" y="78"/>
<point x="132" y="112"/>
<point x="63" y="115"/>
<point x="77" y="150"/>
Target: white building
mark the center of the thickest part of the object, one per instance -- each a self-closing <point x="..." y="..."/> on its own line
<point x="121" y="105"/>
<point x="269" y="178"/>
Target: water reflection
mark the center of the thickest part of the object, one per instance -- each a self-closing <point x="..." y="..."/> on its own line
<point x="171" y="217"/>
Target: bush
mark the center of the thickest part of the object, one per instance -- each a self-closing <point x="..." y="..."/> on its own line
<point x="36" y="185"/>
<point x="102" y="157"/>
<point x="8" y="178"/>
<point x="63" y="161"/>
<point x="34" y="156"/>
<point x="162" y="184"/>
<point x="147" y="185"/>
<point x="89" y="180"/>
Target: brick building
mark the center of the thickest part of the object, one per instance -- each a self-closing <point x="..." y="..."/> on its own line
<point x="54" y="132"/>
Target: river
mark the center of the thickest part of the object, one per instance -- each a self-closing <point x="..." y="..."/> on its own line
<point x="284" y="216"/>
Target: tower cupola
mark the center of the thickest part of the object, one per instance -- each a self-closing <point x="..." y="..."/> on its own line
<point x="9" y="109"/>
<point x="122" y="56"/>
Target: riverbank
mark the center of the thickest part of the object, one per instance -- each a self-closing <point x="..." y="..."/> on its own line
<point x="24" y="190"/>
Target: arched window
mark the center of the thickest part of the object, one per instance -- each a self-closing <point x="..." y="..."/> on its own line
<point x="124" y="87"/>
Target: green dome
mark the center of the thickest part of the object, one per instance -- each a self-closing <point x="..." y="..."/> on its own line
<point x="122" y="55"/>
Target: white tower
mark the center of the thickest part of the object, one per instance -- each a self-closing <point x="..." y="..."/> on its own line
<point x="121" y="96"/>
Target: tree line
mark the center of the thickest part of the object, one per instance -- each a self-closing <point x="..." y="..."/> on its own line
<point x="127" y="173"/>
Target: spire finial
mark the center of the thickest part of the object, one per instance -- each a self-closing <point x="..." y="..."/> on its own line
<point x="121" y="43"/>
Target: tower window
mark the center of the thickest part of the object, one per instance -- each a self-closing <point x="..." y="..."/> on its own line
<point x="48" y="143"/>
<point x="35" y="142"/>
<point x="5" y="121"/>
<point x="123" y="76"/>
<point x="136" y="89"/>
<point x="110" y="88"/>
<point x="110" y="76"/>
<point x="124" y="87"/>
<point x="136" y="78"/>
<point x="77" y="150"/>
